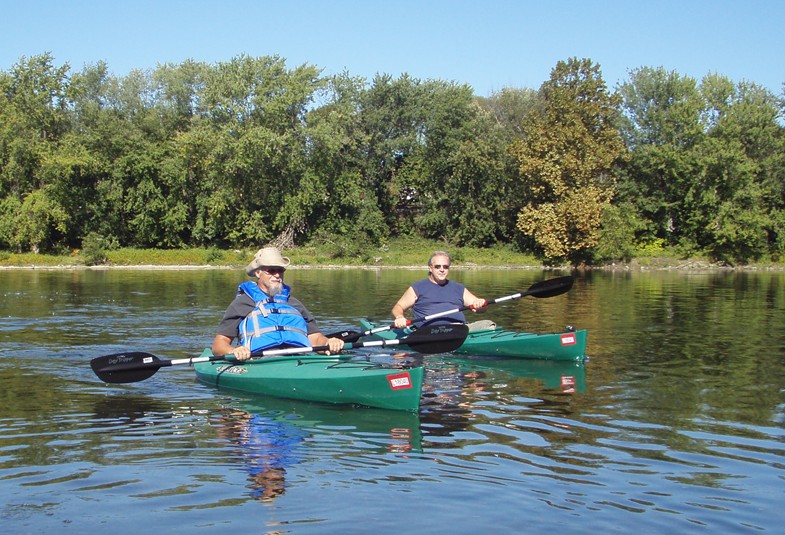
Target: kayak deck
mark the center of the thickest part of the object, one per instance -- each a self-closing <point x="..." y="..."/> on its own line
<point x="567" y="345"/>
<point x="312" y="377"/>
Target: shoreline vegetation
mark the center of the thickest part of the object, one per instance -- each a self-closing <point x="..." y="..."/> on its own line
<point x="404" y="254"/>
<point x="661" y="169"/>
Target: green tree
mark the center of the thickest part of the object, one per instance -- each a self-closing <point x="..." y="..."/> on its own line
<point x="463" y="181"/>
<point x="339" y="201"/>
<point x="33" y="120"/>
<point x="618" y="234"/>
<point x="392" y="118"/>
<point x="178" y="90"/>
<point x="742" y="172"/>
<point x="434" y="160"/>
<point x="39" y="215"/>
<point x="257" y="108"/>
<point x="566" y="161"/>
<point x="664" y="119"/>
<point x="509" y="108"/>
<point x="705" y="170"/>
<point x="102" y="132"/>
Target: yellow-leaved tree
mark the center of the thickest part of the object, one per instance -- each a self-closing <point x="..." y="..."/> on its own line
<point x="565" y="160"/>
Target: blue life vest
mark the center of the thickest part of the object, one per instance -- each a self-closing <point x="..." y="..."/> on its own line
<point x="273" y="321"/>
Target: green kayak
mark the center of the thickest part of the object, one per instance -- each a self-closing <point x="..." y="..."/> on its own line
<point x="313" y="377"/>
<point x="301" y="373"/>
<point x="566" y="345"/>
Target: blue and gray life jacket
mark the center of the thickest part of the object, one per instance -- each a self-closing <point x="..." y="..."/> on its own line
<point x="273" y="321"/>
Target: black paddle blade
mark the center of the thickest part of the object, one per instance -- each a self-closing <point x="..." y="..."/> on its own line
<point x="128" y="367"/>
<point x="347" y="336"/>
<point x="437" y="338"/>
<point x="551" y="287"/>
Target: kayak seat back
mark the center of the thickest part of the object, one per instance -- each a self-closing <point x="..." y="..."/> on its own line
<point x="482" y="325"/>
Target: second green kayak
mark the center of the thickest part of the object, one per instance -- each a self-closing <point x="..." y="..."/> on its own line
<point x="321" y="378"/>
<point x="567" y="345"/>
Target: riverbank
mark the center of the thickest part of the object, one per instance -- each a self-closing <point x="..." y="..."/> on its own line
<point x="402" y="254"/>
<point x="398" y="254"/>
<point x="659" y="265"/>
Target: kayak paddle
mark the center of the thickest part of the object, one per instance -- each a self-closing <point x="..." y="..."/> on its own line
<point x="546" y="288"/>
<point x="137" y="366"/>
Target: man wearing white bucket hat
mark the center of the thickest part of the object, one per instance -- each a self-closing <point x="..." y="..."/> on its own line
<point x="263" y="314"/>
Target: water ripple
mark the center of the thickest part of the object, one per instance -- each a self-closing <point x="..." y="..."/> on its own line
<point x="674" y="425"/>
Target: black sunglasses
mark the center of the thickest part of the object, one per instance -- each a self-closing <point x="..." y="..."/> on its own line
<point x="441" y="266"/>
<point x="274" y="270"/>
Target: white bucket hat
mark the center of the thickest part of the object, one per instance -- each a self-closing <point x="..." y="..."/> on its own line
<point x="267" y="257"/>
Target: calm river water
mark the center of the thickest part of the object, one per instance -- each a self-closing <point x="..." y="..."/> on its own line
<point x="675" y="424"/>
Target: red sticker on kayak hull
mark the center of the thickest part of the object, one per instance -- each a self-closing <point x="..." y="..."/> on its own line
<point x="400" y="381"/>
<point x="568" y="339"/>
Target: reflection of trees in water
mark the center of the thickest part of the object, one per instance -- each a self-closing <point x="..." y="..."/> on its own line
<point x="453" y="388"/>
<point x="446" y="406"/>
<point x="133" y="410"/>
<point x="265" y="447"/>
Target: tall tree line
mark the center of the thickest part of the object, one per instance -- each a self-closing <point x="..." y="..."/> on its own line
<point x="244" y="152"/>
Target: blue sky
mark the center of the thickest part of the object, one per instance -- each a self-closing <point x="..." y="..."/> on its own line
<point x="488" y="44"/>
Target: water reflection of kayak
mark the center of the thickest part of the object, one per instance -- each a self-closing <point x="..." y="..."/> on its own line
<point x="269" y="436"/>
<point x="565" y="376"/>
<point x="383" y="429"/>
<point x="264" y="446"/>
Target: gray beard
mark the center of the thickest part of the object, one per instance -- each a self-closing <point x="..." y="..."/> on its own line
<point x="274" y="289"/>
